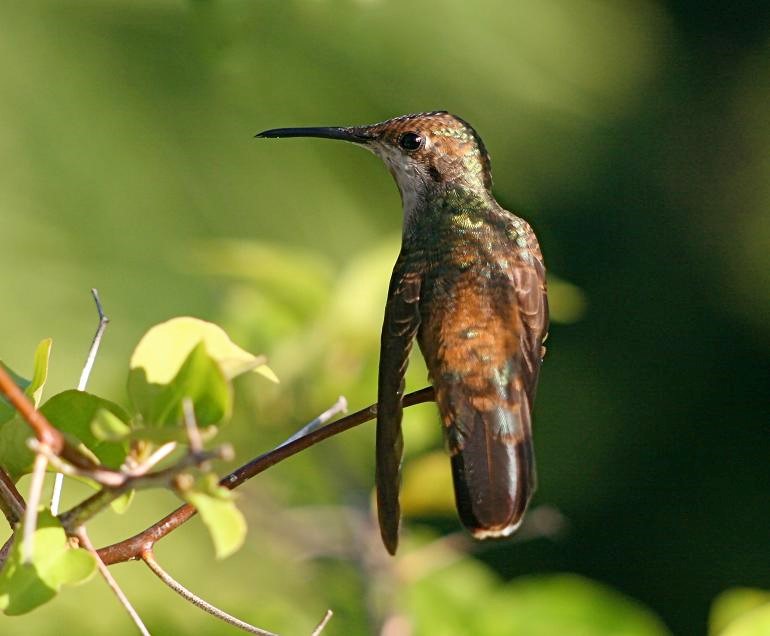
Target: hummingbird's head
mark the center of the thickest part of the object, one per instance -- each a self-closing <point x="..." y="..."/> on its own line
<point x="424" y="152"/>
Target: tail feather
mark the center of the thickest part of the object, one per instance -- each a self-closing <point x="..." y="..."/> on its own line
<point x="493" y="464"/>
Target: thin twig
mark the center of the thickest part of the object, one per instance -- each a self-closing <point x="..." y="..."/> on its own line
<point x="82" y="383"/>
<point x="340" y="406"/>
<point x="105" y="572"/>
<point x="104" y="476"/>
<point x="149" y="558"/>
<point x="191" y="426"/>
<point x="33" y="501"/>
<point x="86" y="509"/>
<point x="153" y="460"/>
<point x="11" y="501"/>
<point x="132" y="547"/>
<point x="320" y="627"/>
<point x="97" y="340"/>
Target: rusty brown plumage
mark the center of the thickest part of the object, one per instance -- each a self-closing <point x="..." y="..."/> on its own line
<point x="470" y="284"/>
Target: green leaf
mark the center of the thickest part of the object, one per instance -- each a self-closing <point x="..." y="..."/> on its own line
<point x="32" y="388"/>
<point x="122" y="503"/>
<point x="200" y="378"/>
<point x="740" y="611"/>
<point x="15" y="456"/>
<point x="216" y="507"/>
<point x="107" y="427"/>
<point x="25" y="586"/>
<point x="165" y="347"/>
<point x="40" y="371"/>
<point x="73" y="413"/>
<point x="467" y="598"/>
<point x="187" y="357"/>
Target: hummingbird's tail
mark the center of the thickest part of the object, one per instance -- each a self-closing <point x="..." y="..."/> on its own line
<point x="493" y="464"/>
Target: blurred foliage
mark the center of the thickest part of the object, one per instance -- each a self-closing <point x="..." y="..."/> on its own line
<point x="180" y="377"/>
<point x="633" y="135"/>
<point x="467" y="599"/>
<point x="740" y="612"/>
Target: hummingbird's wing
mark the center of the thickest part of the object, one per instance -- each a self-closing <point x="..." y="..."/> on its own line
<point x="484" y="351"/>
<point x="529" y="283"/>
<point x="402" y="318"/>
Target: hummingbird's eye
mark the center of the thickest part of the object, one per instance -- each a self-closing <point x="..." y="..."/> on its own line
<point x="410" y="141"/>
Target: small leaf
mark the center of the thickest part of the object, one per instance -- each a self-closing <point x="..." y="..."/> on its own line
<point x="106" y="427"/>
<point x="224" y="521"/>
<point x="25" y="586"/>
<point x="15" y="456"/>
<point x="730" y="607"/>
<point x="40" y="371"/>
<point x="187" y="357"/>
<point x="165" y="347"/>
<point x="266" y="372"/>
<point x="32" y="388"/>
<point x="73" y="412"/>
<point x="199" y="378"/>
<point x="122" y="503"/>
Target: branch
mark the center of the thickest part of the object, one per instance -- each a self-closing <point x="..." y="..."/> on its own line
<point x="149" y="558"/>
<point x="94" y="348"/>
<point x="133" y="547"/>
<point x="340" y="406"/>
<point x="33" y="501"/>
<point x="82" y="383"/>
<point x="136" y="480"/>
<point x="105" y="572"/>
<point x="324" y="621"/>
<point x="11" y="501"/>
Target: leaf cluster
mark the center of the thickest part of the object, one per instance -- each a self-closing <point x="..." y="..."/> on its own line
<point x="153" y="442"/>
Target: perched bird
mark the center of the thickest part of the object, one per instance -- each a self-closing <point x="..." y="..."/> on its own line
<point x="470" y="284"/>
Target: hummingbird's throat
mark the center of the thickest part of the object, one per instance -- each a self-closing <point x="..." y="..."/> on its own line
<point x="411" y="177"/>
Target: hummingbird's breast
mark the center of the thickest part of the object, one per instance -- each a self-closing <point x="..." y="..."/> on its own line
<point x="469" y="315"/>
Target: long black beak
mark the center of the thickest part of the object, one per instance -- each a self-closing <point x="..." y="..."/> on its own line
<point x="356" y="135"/>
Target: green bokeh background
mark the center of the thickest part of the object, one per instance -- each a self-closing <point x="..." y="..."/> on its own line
<point x="633" y="135"/>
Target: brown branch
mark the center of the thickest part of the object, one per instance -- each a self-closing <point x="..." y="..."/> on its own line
<point x="133" y="547"/>
<point x="11" y="502"/>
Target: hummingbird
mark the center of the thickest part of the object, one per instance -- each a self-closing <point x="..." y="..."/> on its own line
<point x="469" y="284"/>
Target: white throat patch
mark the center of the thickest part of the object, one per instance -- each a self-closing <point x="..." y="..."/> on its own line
<point x="410" y="177"/>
